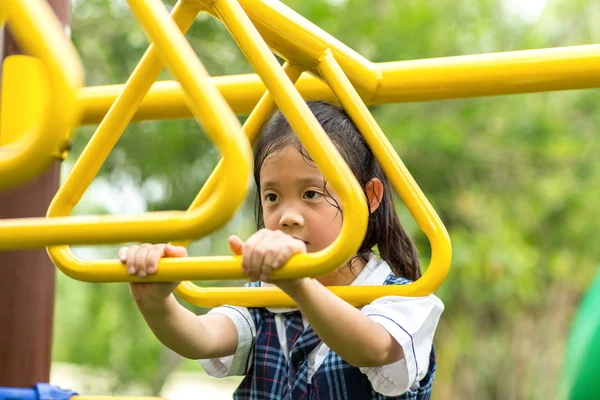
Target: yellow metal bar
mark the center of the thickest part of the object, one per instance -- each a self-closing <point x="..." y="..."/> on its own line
<point x="38" y="232"/>
<point x="251" y="129"/>
<point x="576" y="67"/>
<point x="526" y="71"/>
<point x="205" y="297"/>
<point x="221" y="125"/>
<point x="105" y="138"/>
<point x="116" y="120"/>
<point x="320" y="148"/>
<point x="299" y="41"/>
<point x="409" y="191"/>
<point x="77" y="268"/>
<point x="166" y="99"/>
<point x="139" y="83"/>
<point x="230" y="267"/>
<point x="38" y="31"/>
<point x="315" y="141"/>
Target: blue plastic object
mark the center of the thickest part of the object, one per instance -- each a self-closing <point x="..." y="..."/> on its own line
<point x="41" y="391"/>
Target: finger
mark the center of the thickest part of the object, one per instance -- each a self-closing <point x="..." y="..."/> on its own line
<point x="293" y="247"/>
<point x="175" y="251"/>
<point x="269" y="248"/>
<point x="275" y="244"/>
<point x="155" y="253"/>
<point x="123" y="254"/>
<point x="131" y="267"/>
<point x="257" y="258"/>
<point x="256" y="254"/>
<point x="248" y="249"/>
<point x="140" y="259"/>
<point x="236" y="245"/>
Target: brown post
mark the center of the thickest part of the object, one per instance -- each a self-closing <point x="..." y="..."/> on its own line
<point x="27" y="278"/>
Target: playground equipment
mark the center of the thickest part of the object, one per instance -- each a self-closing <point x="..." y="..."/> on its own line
<point x="319" y="58"/>
<point x="317" y="67"/>
<point x="36" y="120"/>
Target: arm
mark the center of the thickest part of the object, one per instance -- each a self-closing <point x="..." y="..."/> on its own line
<point x="189" y="335"/>
<point x="181" y="330"/>
<point x="352" y="335"/>
<point x="355" y="337"/>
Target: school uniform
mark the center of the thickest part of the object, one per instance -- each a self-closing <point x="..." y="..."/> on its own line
<point x="283" y="358"/>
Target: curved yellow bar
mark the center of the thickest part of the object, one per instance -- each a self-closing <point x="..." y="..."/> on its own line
<point x="77" y="268"/>
<point x="221" y="125"/>
<point x="407" y="188"/>
<point x="299" y="41"/>
<point x="315" y="141"/>
<point x="259" y="115"/>
<point x="413" y="197"/>
<point x="225" y="199"/>
<point x="38" y="31"/>
<point x="80" y="269"/>
<point x="313" y="138"/>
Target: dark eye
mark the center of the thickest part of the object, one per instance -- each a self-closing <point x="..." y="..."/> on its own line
<point x="312" y="194"/>
<point x="271" y="197"/>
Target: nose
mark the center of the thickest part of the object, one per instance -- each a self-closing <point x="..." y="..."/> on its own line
<point x="290" y="218"/>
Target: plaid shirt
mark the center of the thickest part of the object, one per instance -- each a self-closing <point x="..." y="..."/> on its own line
<point x="272" y="376"/>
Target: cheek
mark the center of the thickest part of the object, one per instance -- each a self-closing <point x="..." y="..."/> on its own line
<point x="271" y="220"/>
<point x="325" y="227"/>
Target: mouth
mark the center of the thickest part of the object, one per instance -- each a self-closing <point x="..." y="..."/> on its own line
<point x="302" y="240"/>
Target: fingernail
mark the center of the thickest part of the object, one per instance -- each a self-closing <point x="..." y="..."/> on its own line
<point x="142" y="274"/>
<point x="131" y="270"/>
<point x="151" y="270"/>
<point x="122" y="259"/>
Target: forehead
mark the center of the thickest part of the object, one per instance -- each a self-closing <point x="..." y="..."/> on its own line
<point x="288" y="164"/>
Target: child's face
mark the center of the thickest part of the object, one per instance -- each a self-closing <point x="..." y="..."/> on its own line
<point x="294" y="200"/>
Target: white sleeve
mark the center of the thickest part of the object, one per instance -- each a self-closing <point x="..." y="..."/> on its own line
<point x="238" y="363"/>
<point x="412" y="322"/>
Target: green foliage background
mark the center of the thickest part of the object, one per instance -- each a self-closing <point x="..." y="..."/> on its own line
<point x="514" y="178"/>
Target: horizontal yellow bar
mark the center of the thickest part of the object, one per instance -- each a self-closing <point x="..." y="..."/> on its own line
<point x="191" y="268"/>
<point x="166" y="99"/>
<point x="28" y="233"/>
<point x="274" y="297"/>
<point x="527" y="71"/>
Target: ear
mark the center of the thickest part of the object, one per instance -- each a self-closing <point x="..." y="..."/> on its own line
<point x="374" y="191"/>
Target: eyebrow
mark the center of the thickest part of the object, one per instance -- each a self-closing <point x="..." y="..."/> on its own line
<point x="298" y="182"/>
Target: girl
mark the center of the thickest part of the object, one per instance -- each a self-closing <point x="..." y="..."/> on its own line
<point x="326" y="349"/>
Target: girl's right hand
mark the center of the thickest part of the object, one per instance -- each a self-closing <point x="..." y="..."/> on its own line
<point x="143" y="261"/>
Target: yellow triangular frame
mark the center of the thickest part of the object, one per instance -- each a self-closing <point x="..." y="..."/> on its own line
<point x="315" y="140"/>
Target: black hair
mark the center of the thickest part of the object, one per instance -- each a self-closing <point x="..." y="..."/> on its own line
<point x="384" y="229"/>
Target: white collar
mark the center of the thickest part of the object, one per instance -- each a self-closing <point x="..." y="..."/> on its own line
<point x="374" y="273"/>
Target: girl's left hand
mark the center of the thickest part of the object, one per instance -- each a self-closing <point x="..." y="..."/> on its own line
<point x="265" y="251"/>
